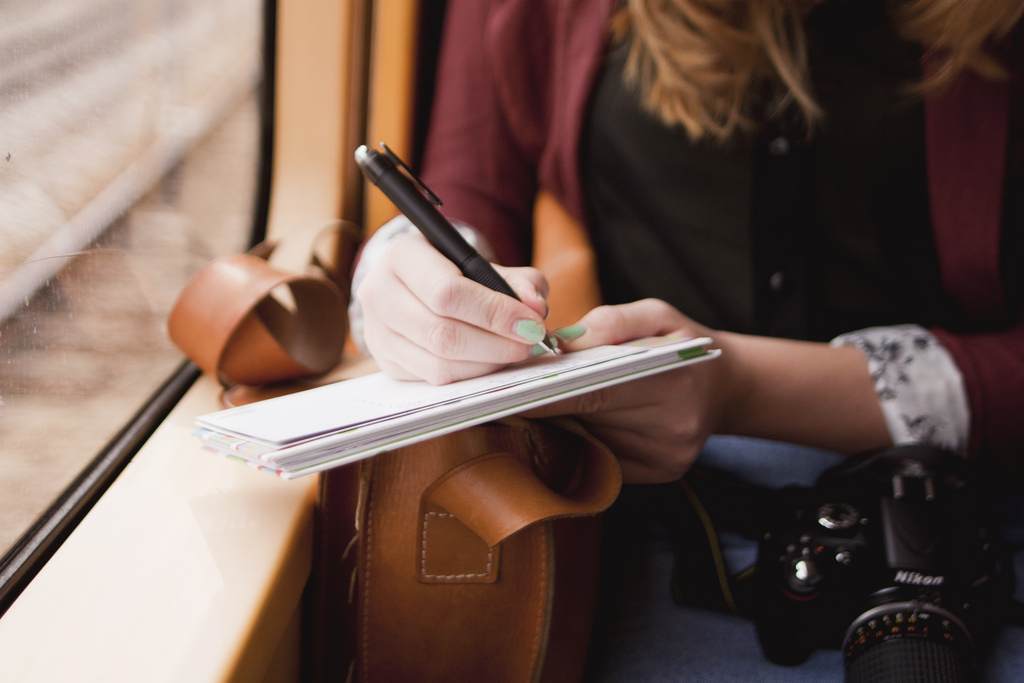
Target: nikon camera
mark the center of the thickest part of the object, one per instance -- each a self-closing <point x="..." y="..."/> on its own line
<point x="887" y="557"/>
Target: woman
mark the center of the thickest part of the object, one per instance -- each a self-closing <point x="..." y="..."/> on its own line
<point x="833" y="191"/>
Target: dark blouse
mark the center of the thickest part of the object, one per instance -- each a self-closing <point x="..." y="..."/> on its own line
<point x="513" y="83"/>
<point x="776" y="231"/>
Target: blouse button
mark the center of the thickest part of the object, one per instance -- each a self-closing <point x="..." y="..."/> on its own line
<point x="779" y="147"/>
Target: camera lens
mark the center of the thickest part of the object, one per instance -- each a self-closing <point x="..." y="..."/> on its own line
<point x="908" y="641"/>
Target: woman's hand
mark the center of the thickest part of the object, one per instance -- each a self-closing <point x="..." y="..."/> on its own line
<point x="795" y="391"/>
<point x="422" y="319"/>
<point x="657" y="425"/>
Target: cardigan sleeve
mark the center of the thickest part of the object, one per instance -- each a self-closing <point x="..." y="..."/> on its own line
<point x="972" y="173"/>
<point x="992" y="365"/>
<point x="481" y="155"/>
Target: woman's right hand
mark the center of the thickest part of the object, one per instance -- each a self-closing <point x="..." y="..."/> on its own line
<point x="423" y="319"/>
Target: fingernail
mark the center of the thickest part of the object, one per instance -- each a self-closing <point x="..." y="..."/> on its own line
<point x="538" y="349"/>
<point x="530" y="330"/>
<point x="547" y="308"/>
<point x="570" y="332"/>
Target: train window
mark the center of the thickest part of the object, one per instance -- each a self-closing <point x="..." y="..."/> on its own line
<point x="130" y="136"/>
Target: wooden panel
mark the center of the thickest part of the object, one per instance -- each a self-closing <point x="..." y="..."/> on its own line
<point x="392" y="90"/>
<point x="319" y="105"/>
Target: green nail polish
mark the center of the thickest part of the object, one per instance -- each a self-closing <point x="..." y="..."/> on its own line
<point x="570" y="332"/>
<point x="538" y="350"/>
<point x="530" y="330"/>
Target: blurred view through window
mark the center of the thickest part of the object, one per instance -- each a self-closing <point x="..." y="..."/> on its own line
<point x="128" y="159"/>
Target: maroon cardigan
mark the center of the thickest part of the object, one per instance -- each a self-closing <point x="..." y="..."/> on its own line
<point x="512" y="87"/>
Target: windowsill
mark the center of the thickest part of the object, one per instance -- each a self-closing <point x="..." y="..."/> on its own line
<point x="191" y="567"/>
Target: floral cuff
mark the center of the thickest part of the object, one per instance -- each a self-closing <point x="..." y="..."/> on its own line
<point x="919" y="387"/>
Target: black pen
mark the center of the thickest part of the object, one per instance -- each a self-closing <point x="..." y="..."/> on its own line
<point x="419" y="204"/>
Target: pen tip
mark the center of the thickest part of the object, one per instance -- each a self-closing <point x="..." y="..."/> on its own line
<point x="551" y="343"/>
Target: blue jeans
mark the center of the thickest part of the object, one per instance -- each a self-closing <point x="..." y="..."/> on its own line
<point x="643" y="635"/>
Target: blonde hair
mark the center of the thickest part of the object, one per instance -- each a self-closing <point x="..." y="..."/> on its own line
<point x="701" y="63"/>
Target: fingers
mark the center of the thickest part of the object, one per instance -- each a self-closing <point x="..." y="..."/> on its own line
<point x="424" y="319"/>
<point x="626" y="322"/>
<point x="655" y="425"/>
<point x="402" y="359"/>
<point x="405" y="321"/>
<point x="442" y="289"/>
<point x="531" y="286"/>
<point x="652" y="446"/>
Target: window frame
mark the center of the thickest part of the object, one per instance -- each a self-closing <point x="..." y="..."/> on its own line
<point x="220" y="596"/>
<point x="26" y="557"/>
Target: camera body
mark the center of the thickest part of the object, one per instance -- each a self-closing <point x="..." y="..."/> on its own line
<point x="889" y="557"/>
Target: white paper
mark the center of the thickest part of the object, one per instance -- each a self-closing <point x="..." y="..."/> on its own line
<point x="323" y="427"/>
<point x="364" y="400"/>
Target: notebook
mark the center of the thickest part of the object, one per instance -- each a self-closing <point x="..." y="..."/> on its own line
<point x="331" y="425"/>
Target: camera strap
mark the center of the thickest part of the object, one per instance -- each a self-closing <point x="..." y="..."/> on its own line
<point x="707" y="505"/>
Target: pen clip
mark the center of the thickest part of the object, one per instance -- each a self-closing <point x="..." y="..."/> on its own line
<point x="412" y="176"/>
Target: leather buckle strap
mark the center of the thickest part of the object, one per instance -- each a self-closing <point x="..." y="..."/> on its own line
<point x="247" y="321"/>
<point x="497" y="494"/>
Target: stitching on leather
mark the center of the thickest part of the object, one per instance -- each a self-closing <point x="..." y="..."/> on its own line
<point x="366" y="581"/>
<point x="423" y="554"/>
<point x="541" y="609"/>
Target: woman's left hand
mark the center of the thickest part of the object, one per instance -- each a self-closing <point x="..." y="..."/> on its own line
<point x="657" y="425"/>
<point x="781" y="389"/>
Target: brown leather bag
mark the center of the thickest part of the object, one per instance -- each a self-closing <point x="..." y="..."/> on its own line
<point x="469" y="557"/>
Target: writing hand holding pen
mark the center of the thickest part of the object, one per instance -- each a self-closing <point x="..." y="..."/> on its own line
<point x="421" y="318"/>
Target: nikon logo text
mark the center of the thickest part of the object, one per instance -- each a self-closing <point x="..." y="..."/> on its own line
<point x="918" y="579"/>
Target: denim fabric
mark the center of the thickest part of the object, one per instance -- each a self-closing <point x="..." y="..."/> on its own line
<point x="643" y="635"/>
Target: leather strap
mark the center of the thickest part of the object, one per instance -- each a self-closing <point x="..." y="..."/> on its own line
<point x="245" y="320"/>
<point x="497" y="494"/>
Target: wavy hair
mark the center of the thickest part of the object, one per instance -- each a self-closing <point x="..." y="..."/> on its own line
<point x="702" y="64"/>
